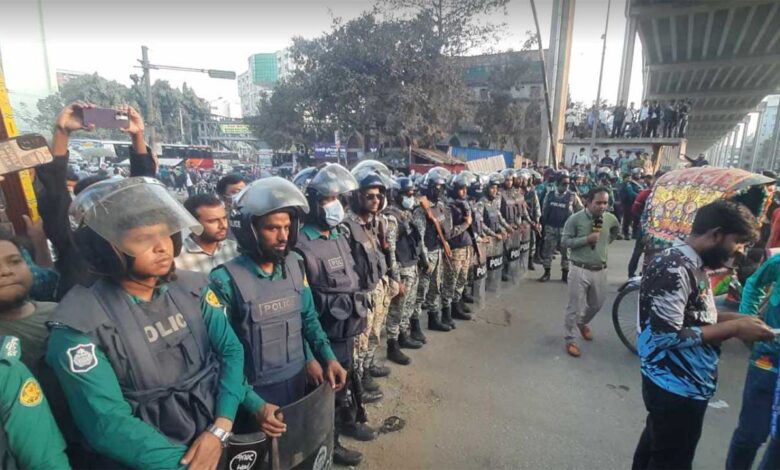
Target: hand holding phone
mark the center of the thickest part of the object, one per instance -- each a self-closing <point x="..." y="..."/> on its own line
<point x="106" y="118"/>
<point x="24" y="151"/>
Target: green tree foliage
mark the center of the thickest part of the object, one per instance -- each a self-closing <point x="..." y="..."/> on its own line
<point x="109" y="93"/>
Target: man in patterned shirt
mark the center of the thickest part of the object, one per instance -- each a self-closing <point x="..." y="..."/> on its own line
<point x="206" y="251"/>
<point x="681" y="332"/>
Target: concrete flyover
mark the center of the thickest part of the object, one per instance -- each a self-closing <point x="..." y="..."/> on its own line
<point x="722" y="55"/>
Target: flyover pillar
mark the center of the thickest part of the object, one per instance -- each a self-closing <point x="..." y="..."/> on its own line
<point x="624" y="84"/>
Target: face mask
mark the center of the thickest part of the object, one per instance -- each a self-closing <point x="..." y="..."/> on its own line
<point x="334" y="213"/>
<point x="408" y="202"/>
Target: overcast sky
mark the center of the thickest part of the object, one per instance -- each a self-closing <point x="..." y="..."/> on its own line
<point x="105" y="36"/>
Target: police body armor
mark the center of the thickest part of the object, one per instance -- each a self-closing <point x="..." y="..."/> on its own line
<point x="162" y="357"/>
<point x="269" y="322"/>
<point x="335" y="286"/>
<point x="370" y="260"/>
<point x="432" y="241"/>
<point x="561" y="206"/>
<point x="460" y="211"/>
<point x="408" y="247"/>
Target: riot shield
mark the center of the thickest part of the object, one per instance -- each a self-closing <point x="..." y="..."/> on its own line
<point x="478" y="275"/>
<point x="495" y="265"/>
<point x="512" y="258"/>
<point x="245" y="452"/>
<point x="308" y="442"/>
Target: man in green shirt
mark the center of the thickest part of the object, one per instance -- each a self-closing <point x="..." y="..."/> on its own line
<point x="152" y="373"/>
<point x="29" y="436"/>
<point x="269" y="303"/>
<point x="587" y="234"/>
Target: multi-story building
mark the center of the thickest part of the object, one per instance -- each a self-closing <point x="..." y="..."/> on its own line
<point x="264" y="71"/>
<point x="64" y="76"/>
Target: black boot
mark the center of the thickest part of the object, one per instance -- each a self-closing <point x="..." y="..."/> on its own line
<point x="416" y="331"/>
<point x="379" y="371"/>
<point x="546" y="276"/>
<point x="463" y="306"/>
<point x="407" y="342"/>
<point x="395" y="354"/>
<point x="346" y="457"/>
<point x="434" y="324"/>
<point x="369" y="384"/>
<point x="446" y="316"/>
<point x="459" y="312"/>
<point x="565" y="275"/>
<point x="531" y="266"/>
<point x="467" y="297"/>
<point x="370" y="397"/>
<point x="360" y="431"/>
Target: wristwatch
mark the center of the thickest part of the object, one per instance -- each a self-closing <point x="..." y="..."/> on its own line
<point x="220" y="433"/>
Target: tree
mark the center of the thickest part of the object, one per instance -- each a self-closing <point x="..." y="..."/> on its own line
<point x="456" y="23"/>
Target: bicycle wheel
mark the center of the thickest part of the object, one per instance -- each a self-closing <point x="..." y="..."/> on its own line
<point x="624" y="316"/>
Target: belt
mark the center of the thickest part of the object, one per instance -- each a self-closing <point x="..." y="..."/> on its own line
<point x="590" y="267"/>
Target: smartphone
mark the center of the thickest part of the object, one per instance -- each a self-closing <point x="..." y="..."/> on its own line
<point x="106" y="118"/>
<point x="24" y="151"/>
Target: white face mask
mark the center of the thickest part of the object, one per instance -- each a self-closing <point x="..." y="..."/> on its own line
<point x="408" y="202"/>
<point x="334" y="213"/>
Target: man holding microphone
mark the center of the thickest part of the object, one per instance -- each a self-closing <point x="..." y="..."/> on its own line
<point x="587" y="234"/>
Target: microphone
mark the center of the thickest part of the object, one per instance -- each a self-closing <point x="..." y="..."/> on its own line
<point x="598" y="222"/>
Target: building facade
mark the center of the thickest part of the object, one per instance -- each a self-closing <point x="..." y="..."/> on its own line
<point x="264" y="71"/>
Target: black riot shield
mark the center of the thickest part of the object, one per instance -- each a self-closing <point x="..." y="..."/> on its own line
<point x="512" y="257"/>
<point x="308" y="442"/>
<point x="479" y="274"/>
<point x="245" y="452"/>
<point x="495" y="265"/>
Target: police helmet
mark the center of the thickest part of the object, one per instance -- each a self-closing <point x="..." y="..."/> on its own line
<point x="508" y="173"/>
<point x="260" y="198"/>
<point x="436" y="176"/>
<point x="496" y="179"/>
<point x="303" y="177"/>
<point x="477" y="187"/>
<point x="102" y="215"/>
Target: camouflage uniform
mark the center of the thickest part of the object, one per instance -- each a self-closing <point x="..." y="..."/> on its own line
<point x="402" y="307"/>
<point x="456" y="269"/>
<point x="429" y="284"/>
<point x="554" y="210"/>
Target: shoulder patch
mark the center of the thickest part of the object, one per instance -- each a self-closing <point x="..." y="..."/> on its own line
<point x="212" y="299"/>
<point x="82" y="358"/>
<point x="30" y="394"/>
<point x="10" y="348"/>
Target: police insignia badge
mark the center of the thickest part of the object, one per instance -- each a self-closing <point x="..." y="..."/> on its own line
<point x="211" y="299"/>
<point x="31" y="393"/>
<point x="82" y="358"/>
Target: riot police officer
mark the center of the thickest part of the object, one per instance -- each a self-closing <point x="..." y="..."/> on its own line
<point x="268" y="302"/>
<point x="495" y="226"/>
<point x="405" y="249"/>
<point x="558" y="207"/>
<point x="526" y="184"/>
<point x="152" y="374"/>
<point x="343" y="306"/>
<point x="432" y="213"/>
<point x="29" y="436"/>
<point x="461" y="241"/>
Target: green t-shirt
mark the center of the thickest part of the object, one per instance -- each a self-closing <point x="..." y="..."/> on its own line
<point x="32" y="333"/>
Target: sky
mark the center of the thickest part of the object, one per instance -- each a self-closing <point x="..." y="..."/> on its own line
<point x="105" y="36"/>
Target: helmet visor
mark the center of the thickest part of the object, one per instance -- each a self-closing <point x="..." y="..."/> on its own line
<point x="333" y="180"/>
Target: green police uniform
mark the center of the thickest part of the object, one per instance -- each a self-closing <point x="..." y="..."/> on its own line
<point x="315" y="337"/>
<point x="29" y="437"/>
<point x="105" y="417"/>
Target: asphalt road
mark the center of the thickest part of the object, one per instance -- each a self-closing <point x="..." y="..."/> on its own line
<point x="501" y="392"/>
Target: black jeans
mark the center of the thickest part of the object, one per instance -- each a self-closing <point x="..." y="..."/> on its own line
<point x="672" y="429"/>
<point x="633" y="263"/>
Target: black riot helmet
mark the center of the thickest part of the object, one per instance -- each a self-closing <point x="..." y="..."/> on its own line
<point x="496" y="179"/>
<point x="435" y="178"/>
<point x="460" y="181"/>
<point x="369" y="180"/>
<point x="329" y="180"/>
<point x="263" y="197"/>
<point x="103" y="214"/>
<point x="403" y="185"/>
<point x="303" y="177"/>
<point x="477" y="187"/>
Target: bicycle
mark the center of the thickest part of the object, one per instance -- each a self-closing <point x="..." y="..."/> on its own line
<point x="625" y="312"/>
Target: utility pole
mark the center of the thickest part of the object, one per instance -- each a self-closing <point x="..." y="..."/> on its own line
<point x="149" y="98"/>
<point x="546" y="90"/>
<point x="596" y="117"/>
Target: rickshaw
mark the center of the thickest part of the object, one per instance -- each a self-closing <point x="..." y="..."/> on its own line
<point x="668" y="216"/>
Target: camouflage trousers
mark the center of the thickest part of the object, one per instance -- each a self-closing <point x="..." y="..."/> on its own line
<point x="368" y="341"/>
<point x="429" y="286"/>
<point x="552" y="241"/>
<point x="402" y="306"/>
<point x="456" y="272"/>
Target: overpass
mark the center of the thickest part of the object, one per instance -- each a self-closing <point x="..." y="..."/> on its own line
<point x="724" y="56"/>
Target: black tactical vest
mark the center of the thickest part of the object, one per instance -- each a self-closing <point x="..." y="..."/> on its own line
<point x="7" y="461"/>
<point x="476" y="225"/>
<point x="408" y="247"/>
<point x="269" y="322"/>
<point x="492" y="215"/>
<point x="330" y="270"/>
<point x="370" y="261"/>
<point x="432" y="241"/>
<point x="509" y="207"/>
<point x="161" y="354"/>
<point x="561" y="206"/>
<point x="460" y="211"/>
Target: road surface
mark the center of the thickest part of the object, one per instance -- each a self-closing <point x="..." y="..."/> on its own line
<point x="501" y="392"/>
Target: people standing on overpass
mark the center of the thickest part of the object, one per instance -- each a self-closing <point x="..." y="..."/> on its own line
<point x="587" y="234"/>
<point x="681" y="333"/>
<point x="618" y="118"/>
<point x="644" y="118"/>
<point x="698" y="162"/>
<point x="669" y="118"/>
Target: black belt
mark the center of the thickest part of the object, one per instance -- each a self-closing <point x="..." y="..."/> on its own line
<point x="590" y="267"/>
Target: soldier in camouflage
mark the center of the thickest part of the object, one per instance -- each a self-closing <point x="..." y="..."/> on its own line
<point x="526" y="183"/>
<point x="460" y="240"/>
<point x="404" y="250"/>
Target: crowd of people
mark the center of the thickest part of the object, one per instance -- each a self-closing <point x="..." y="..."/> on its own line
<point x="653" y="119"/>
<point x="160" y="329"/>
